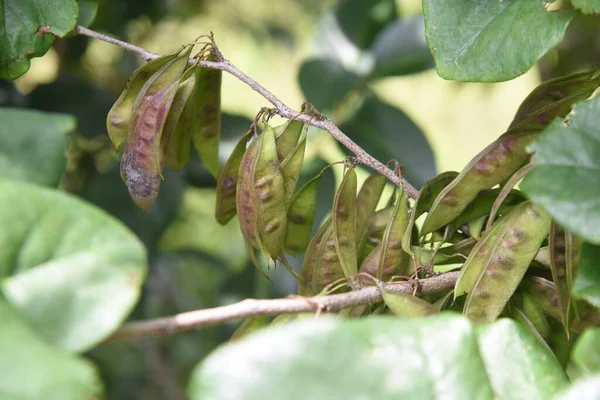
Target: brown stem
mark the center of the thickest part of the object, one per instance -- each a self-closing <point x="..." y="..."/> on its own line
<point x="282" y="109"/>
<point x="254" y="308"/>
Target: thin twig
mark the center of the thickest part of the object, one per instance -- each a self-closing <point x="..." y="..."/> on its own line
<point x="255" y="308"/>
<point x="282" y="109"/>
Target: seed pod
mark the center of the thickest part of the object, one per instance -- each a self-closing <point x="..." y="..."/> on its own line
<point x="388" y="258"/>
<point x="454" y="254"/>
<point x="120" y="115"/>
<point x="367" y="200"/>
<point x="503" y="196"/>
<point x="344" y="222"/>
<point x="491" y="166"/>
<point x="225" y="207"/>
<point x="535" y="314"/>
<point x="301" y="217"/>
<point x="475" y="227"/>
<point x="328" y="267"/>
<point x="270" y="195"/>
<point x="554" y="98"/>
<point x="562" y="260"/>
<point x="141" y="165"/>
<point x="543" y="257"/>
<point x="480" y="207"/>
<point x="305" y="287"/>
<point x="423" y="203"/>
<point x="518" y="242"/>
<point x="246" y="202"/>
<point x="206" y="126"/>
<point x="291" y="167"/>
<point x="175" y="140"/>
<point x="288" y="138"/>
<point x="406" y="305"/>
<point x="375" y="227"/>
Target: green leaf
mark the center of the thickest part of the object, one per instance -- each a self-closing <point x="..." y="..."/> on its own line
<point x="362" y="20"/>
<point x="33" y="144"/>
<point x="32" y="370"/>
<point x="490" y="40"/>
<point x="325" y="83"/>
<point x="87" y="12"/>
<point x="71" y="271"/>
<point x="377" y="358"/>
<point x="586" y="353"/>
<point x="387" y="133"/>
<point x="587" y="6"/>
<point x="587" y="283"/>
<point x="565" y="179"/>
<point x="20" y="22"/>
<point x="585" y="389"/>
<point x="527" y="371"/>
<point x="401" y="49"/>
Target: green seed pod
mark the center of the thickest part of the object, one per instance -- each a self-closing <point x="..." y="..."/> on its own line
<point x="491" y="166"/>
<point x="480" y="207"/>
<point x="535" y="314"/>
<point x="225" y="207"/>
<point x="120" y="115"/>
<point x="454" y="254"/>
<point x="423" y="203"/>
<point x="476" y="226"/>
<point x="406" y="305"/>
<point x="563" y="256"/>
<point x="206" y="127"/>
<point x="291" y="167"/>
<point x="517" y="244"/>
<point x="505" y="193"/>
<point x="344" y="222"/>
<point x="328" y="267"/>
<point x="305" y="286"/>
<point x="555" y="98"/>
<point x="543" y="257"/>
<point x="141" y="165"/>
<point x="366" y="202"/>
<point x="388" y="258"/>
<point x="270" y="195"/>
<point x="288" y="138"/>
<point x="375" y="227"/>
<point x="176" y="133"/>
<point x="301" y="217"/>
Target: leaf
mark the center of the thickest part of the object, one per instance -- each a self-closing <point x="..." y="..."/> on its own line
<point x="362" y="20"/>
<point x="20" y="22"/>
<point x="31" y="370"/>
<point x="87" y="12"/>
<point x="378" y="358"/>
<point x="490" y="40"/>
<point x="71" y="271"/>
<point x="527" y="371"/>
<point x="587" y="283"/>
<point x="406" y="305"/>
<point x="325" y="83"/>
<point x="587" y="6"/>
<point x="586" y="353"/>
<point x="33" y="144"/>
<point x="565" y="179"/>
<point x="387" y="133"/>
<point x="585" y="389"/>
<point x="401" y="49"/>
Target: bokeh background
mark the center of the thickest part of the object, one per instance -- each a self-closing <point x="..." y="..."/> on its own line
<point x="364" y="63"/>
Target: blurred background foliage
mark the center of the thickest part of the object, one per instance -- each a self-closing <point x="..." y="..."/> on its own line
<point x="363" y="63"/>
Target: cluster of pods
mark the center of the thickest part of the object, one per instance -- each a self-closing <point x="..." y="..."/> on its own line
<point x="167" y="103"/>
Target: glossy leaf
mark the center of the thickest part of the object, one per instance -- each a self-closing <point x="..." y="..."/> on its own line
<point x="438" y="356"/>
<point x="587" y="283"/>
<point x="49" y="373"/>
<point x="33" y="144"/>
<point x="401" y="49"/>
<point x="28" y="30"/>
<point x="70" y="270"/>
<point x="586" y="353"/>
<point x="463" y="37"/>
<point x="87" y="12"/>
<point x="325" y="83"/>
<point x="528" y="371"/>
<point x="565" y="179"/>
<point x="362" y="20"/>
